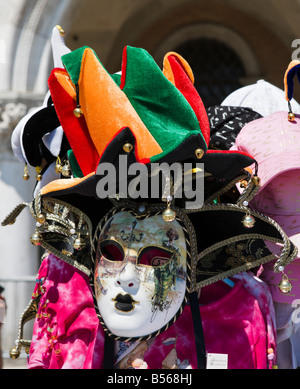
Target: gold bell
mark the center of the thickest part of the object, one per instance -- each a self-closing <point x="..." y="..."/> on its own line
<point x="41" y="218"/>
<point x="248" y="221"/>
<point x="285" y="286"/>
<point x="168" y="214"/>
<point x="127" y="147"/>
<point x="66" y="170"/>
<point x="78" y="243"/>
<point x="199" y="153"/>
<point x="256" y="180"/>
<point x="58" y="166"/>
<point x="26" y="174"/>
<point x="36" y="238"/>
<point x="39" y="175"/>
<point x="78" y="112"/>
<point x="291" y="117"/>
<point x="14" y="353"/>
<point x="243" y="183"/>
<point x="61" y="30"/>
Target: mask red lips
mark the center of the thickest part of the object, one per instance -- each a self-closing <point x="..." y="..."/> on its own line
<point x="124" y="302"/>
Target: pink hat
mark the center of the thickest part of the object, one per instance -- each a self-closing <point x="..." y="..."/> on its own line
<point x="274" y="142"/>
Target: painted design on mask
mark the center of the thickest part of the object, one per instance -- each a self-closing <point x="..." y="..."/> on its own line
<point x="131" y="237"/>
<point x="140" y="273"/>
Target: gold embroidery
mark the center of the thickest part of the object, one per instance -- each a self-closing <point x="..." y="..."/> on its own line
<point x="237" y="255"/>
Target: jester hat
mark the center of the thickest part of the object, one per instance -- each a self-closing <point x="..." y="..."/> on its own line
<point x="162" y="111"/>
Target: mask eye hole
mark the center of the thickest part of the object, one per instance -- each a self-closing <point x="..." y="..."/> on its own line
<point x="154" y="256"/>
<point x="112" y="251"/>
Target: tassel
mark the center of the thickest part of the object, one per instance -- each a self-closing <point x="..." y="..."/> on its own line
<point x="11" y="218"/>
<point x="28" y="314"/>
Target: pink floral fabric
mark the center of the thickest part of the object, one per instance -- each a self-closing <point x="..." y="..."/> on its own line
<point x="67" y="333"/>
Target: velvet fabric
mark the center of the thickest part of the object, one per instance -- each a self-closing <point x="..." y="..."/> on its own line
<point x="177" y="68"/>
<point x="158" y="103"/>
<point x="166" y="117"/>
<point x="288" y="80"/>
<point x="162" y="107"/>
<point x="221" y="164"/>
<point x="38" y="138"/>
<point x="67" y="333"/>
<point x="76" y="170"/>
<point x="105" y="106"/>
<point x="42" y="122"/>
<point x="75" y="129"/>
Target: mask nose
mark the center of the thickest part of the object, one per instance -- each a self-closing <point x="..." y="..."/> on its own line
<point x="128" y="278"/>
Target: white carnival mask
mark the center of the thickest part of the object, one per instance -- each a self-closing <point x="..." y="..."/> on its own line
<point x="140" y="274"/>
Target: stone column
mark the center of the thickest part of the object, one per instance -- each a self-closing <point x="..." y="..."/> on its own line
<point x="18" y="256"/>
<point x="19" y="259"/>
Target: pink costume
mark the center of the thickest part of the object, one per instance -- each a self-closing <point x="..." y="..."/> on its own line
<point x="67" y="333"/>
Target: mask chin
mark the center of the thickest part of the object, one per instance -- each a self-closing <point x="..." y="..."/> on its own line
<point x="141" y="275"/>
